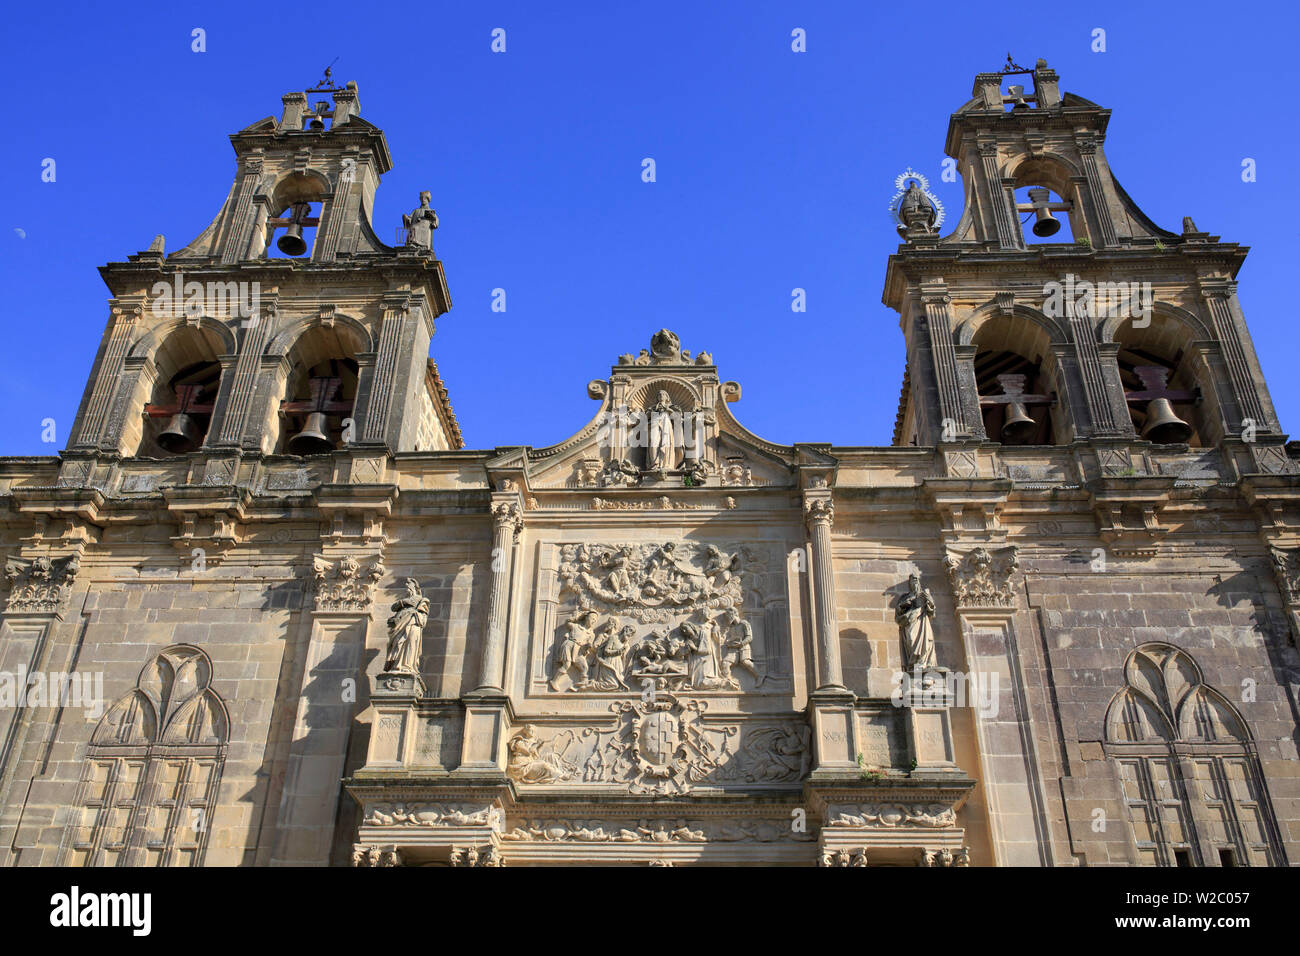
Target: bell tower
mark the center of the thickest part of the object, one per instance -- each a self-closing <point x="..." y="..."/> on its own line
<point x="288" y="326"/>
<point x="1056" y="312"/>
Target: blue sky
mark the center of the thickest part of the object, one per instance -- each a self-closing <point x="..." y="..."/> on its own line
<point x="774" y="171"/>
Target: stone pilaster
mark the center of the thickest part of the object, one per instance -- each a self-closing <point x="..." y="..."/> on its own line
<point x="984" y="595"/>
<point x="327" y="703"/>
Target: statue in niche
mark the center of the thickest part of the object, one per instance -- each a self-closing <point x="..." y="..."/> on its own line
<point x="420" y="224"/>
<point x="737" y="650"/>
<point x="406" y="630"/>
<point x="610" y="648"/>
<point x="915" y="616"/>
<point x="663" y="416"/>
<point x="571" y="653"/>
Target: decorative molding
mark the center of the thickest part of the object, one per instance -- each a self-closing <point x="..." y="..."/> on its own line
<point x="890" y="815"/>
<point x="434" y="815"/>
<point x="673" y="830"/>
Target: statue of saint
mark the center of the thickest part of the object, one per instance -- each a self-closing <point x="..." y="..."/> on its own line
<point x="915" y="209"/>
<point x="421" y="223"/>
<point x="915" y="616"/>
<point x="406" y="630"/>
<point x="663" y="415"/>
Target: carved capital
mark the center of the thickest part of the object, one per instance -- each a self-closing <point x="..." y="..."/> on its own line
<point x="40" y="585"/>
<point x="946" y="857"/>
<point x="819" y="511"/>
<point x="343" y="585"/>
<point x="844" y="857"/>
<point x="370" y="854"/>
<point x="506" y="515"/>
<point x="982" y="578"/>
<point x="476" y="856"/>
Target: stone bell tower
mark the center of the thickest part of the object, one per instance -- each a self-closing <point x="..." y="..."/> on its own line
<point x="287" y="326"/>
<point x="1110" y="331"/>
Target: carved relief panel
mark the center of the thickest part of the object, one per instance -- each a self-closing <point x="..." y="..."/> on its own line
<point x="620" y="618"/>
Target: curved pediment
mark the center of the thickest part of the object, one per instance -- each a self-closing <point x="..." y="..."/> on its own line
<point x="663" y="422"/>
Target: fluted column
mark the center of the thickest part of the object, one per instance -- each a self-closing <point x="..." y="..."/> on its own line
<point x="507" y="522"/>
<point x="819" y="512"/>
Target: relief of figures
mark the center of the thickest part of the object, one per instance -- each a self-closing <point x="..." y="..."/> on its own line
<point x="691" y="594"/>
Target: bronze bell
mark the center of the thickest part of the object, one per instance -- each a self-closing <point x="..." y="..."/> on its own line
<point x="1163" y="426"/>
<point x="1018" y="428"/>
<point x="292" y="244"/>
<point x="314" y="438"/>
<point x="181" y="435"/>
<point x="1046" y="224"/>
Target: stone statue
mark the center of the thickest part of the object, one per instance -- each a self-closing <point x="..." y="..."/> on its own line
<point x="663" y="414"/>
<point x="915" y="616"/>
<point x="916" y="210"/>
<point x="406" y="630"/>
<point x="421" y="223"/>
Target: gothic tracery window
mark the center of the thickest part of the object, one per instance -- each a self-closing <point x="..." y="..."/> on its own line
<point x="149" y="788"/>
<point x="1187" y="766"/>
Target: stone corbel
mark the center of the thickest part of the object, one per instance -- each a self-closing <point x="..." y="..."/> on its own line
<point x="1127" y="512"/>
<point x="221" y="508"/>
<point x="968" y="508"/>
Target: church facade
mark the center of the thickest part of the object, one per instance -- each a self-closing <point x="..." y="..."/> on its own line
<point x="267" y="609"/>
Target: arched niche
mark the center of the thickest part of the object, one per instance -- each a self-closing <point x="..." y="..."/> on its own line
<point x="187" y="375"/>
<point x="1015" y="351"/>
<point x="1166" y="341"/>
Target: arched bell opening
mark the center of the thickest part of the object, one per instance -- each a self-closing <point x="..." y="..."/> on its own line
<point x="297" y="207"/>
<point x="1047" y="204"/>
<point x="1161" y="372"/>
<point x="176" y="418"/>
<point x="320" y="395"/>
<point x="1016" y="377"/>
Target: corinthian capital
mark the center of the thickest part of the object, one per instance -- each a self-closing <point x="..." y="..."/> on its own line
<point x="507" y="514"/>
<point x="819" y="510"/>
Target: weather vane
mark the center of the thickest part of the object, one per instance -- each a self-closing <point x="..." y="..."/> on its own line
<point x="327" y="84"/>
<point x="1013" y="67"/>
